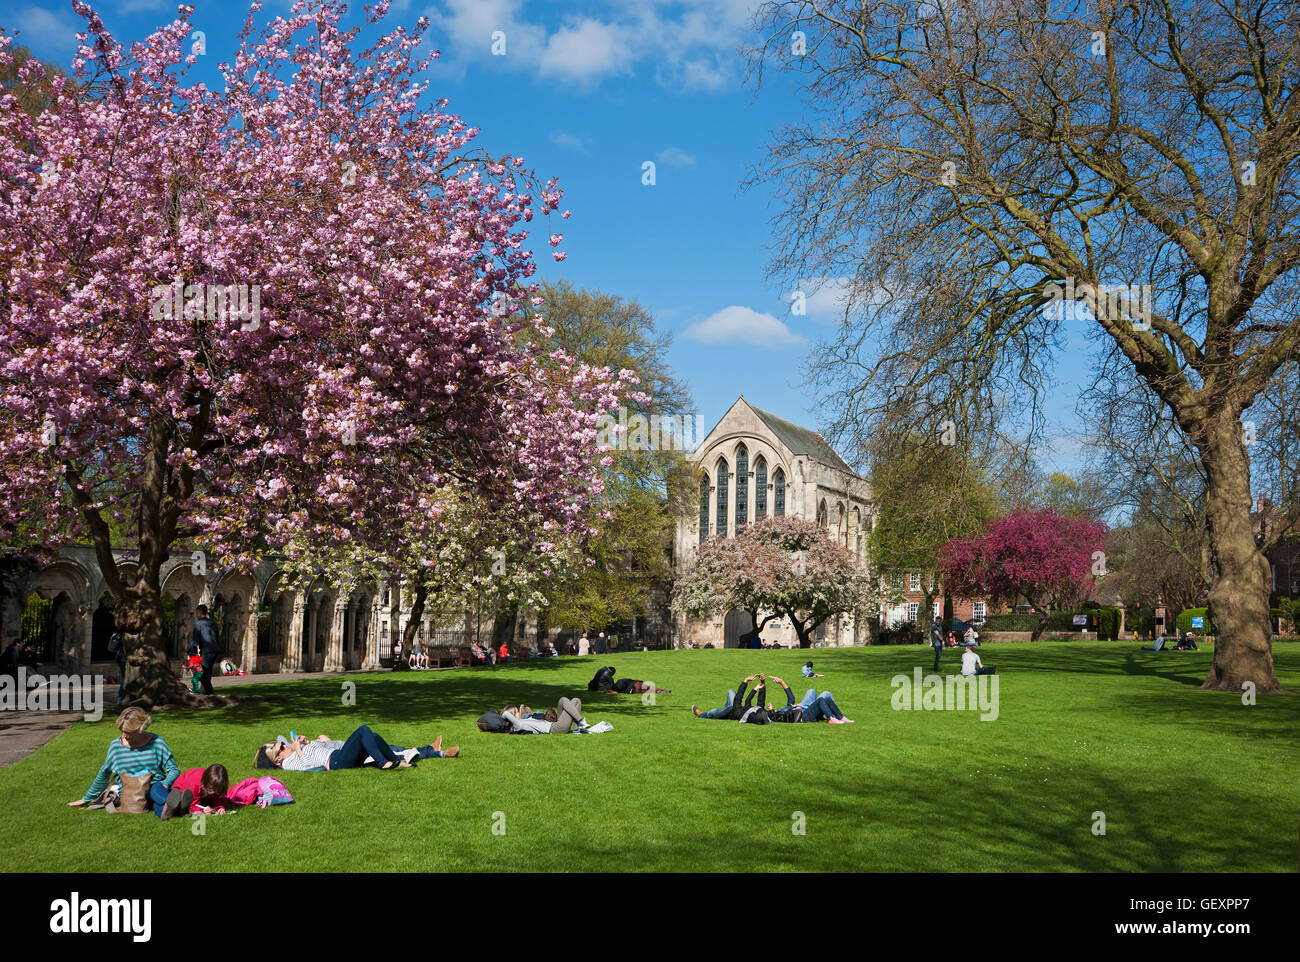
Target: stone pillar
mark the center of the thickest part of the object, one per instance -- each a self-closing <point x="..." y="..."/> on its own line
<point x="248" y="651"/>
<point x="87" y="638"/>
<point x="292" y="660"/>
<point x="334" y="650"/>
<point x="310" y="657"/>
<point x="371" y="660"/>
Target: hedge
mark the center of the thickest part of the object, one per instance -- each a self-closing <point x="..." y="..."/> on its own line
<point x="1056" y="621"/>
<point x="1184" y="621"/>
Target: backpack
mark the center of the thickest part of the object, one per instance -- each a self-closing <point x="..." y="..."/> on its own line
<point x="115" y="643"/>
<point x="271" y="791"/>
<point x="494" y="722"/>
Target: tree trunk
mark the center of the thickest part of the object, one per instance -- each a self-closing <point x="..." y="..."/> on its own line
<point x="1042" y="624"/>
<point x="413" y="623"/>
<point x="947" y="613"/>
<point x="1243" y="649"/>
<point x="150" y="680"/>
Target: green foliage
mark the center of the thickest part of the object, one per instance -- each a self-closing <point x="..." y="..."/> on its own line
<point x="1184" y="622"/>
<point x="645" y="490"/>
<point x="905" y="633"/>
<point x="1108" y="624"/>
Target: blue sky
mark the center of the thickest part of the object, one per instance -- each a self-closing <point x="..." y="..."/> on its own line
<point x="589" y="92"/>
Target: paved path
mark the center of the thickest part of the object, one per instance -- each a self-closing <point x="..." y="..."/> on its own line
<point x="22" y="732"/>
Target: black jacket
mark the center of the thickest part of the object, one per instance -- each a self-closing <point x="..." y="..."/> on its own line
<point x="604" y="680"/>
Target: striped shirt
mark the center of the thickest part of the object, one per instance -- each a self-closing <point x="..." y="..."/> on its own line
<point x="153" y="756"/>
<point x="314" y="755"/>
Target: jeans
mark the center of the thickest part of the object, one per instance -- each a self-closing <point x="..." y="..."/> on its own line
<point x="207" y="673"/>
<point x="158" y="796"/>
<point x="428" y="751"/>
<point x="938" y="650"/>
<point x="816" y="707"/>
<point x="361" y="743"/>
<point x="719" y="712"/>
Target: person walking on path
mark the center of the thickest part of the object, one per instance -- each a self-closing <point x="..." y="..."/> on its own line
<point x="205" y="644"/>
<point x="584" y="645"/>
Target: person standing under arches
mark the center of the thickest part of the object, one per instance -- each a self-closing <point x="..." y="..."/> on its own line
<point x="206" y="643"/>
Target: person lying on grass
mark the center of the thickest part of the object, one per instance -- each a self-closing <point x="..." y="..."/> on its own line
<point x="812" y="708"/>
<point x="136" y="752"/>
<point x="562" y="719"/>
<point x="733" y="709"/>
<point x="301" y="755"/>
<point x="200" y="791"/>
<point x="604" y="681"/>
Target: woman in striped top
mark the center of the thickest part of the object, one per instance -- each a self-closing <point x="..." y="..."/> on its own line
<point x="136" y="752"/>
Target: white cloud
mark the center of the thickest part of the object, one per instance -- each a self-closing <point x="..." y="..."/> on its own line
<point x="586" y="49"/>
<point x="45" y="33"/>
<point x="561" y="139"/>
<point x="737" y="324"/>
<point x="675" y="157"/>
<point x="689" y="45"/>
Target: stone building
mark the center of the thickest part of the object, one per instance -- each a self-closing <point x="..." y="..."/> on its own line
<point x="267" y="623"/>
<point x="757" y="465"/>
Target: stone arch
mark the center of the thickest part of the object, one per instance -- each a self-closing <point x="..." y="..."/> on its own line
<point x="232" y="610"/>
<point x="822" y="518"/>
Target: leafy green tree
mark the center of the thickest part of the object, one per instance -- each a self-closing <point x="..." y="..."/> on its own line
<point x="927" y="494"/>
<point x="648" y="479"/>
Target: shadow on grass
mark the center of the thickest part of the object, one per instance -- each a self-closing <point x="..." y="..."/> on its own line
<point x="401" y="697"/>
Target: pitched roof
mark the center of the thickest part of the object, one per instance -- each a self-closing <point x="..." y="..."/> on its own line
<point x="801" y="440"/>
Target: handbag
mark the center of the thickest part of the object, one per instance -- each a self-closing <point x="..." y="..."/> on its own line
<point x="135" y="794"/>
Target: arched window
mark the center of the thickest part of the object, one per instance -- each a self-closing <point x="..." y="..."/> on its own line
<point x="742" y="488"/>
<point x="778" y="493"/>
<point x="720" y="520"/>
<point x="760" y="488"/>
<point x="704" y="508"/>
<point x="822" y="520"/>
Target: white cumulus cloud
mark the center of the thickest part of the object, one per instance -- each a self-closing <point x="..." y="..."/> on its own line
<point x="739" y="324"/>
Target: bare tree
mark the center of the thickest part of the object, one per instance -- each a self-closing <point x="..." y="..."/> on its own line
<point x="987" y="171"/>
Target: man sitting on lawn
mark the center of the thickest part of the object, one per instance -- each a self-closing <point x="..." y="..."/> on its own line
<point x="971" y="663"/>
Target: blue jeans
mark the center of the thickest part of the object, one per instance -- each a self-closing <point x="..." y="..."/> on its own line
<point x="719" y="712"/>
<point x="428" y="751"/>
<point x="361" y="743"/>
<point x="157" y="796"/>
<point x="816" y="707"/>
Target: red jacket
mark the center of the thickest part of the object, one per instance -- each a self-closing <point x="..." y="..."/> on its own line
<point x="192" y="778"/>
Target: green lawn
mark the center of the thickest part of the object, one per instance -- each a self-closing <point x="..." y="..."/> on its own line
<point x="1188" y="781"/>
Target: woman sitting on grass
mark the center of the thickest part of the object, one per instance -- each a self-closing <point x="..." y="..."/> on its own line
<point x="136" y="752"/>
<point x="301" y="755"/>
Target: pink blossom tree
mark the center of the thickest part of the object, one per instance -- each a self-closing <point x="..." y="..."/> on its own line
<point x="1036" y="558"/>
<point x="280" y="315"/>
<point x="779" y="567"/>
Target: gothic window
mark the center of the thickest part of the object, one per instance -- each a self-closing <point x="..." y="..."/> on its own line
<point x="704" y="508"/>
<point x="760" y="488"/>
<point x="822" y="520"/>
<point x="742" y="488"/>
<point x="778" y="494"/>
<point x="720" y="522"/>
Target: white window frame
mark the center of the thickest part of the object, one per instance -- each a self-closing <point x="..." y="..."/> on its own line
<point x="979" y="611"/>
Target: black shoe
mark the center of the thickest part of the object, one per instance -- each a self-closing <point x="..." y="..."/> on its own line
<point x="171" y="806"/>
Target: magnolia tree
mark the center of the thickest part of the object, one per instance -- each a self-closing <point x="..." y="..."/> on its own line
<point x="276" y="314"/>
<point x="1035" y="558"/>
<point x="776" y="568"/>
